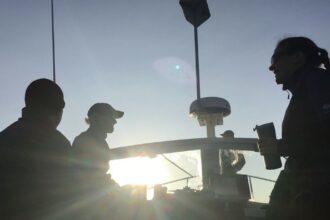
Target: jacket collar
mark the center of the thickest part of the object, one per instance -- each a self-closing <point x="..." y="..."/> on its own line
<point x="37" y="117"/>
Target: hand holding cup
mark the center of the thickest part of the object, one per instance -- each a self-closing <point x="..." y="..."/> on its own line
<point x="267" y="146"/>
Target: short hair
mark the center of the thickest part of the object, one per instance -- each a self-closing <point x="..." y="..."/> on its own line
<point x="44" y="94"/>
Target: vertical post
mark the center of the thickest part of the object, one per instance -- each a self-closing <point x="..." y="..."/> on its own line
<point x="210" y="129"/>
<point x="53" y="40"/>
<point x="250" y="185"/>
<point x="197" y="63"/>
<point x="209" y="157"/>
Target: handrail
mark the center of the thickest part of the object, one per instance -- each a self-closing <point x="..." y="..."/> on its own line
<point x="261" y="178"/>
<point x="175" y="146"/>
<point x="256" y="177"/>
<point x="174" y="181"/>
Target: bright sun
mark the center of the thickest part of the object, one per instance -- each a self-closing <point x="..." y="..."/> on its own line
<point x="146" y="171"/>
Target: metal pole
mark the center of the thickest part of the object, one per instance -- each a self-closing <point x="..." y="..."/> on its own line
<point x="250" y="185"/>
<point x="177" y="180"/>
<point x="260" y="178"/>
<point x="197" y="63"/>
<point x="53" y="41"/>
<point x="177" y="166"/>
<point x="210" y="127"/>
<point x="209" y="157"/>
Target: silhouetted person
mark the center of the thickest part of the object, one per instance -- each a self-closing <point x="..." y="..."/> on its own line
<point x="34" y="158"/>
<point x="232" y="161"/>
<point x="302" y="190"/>
<point x="92" y="155"/>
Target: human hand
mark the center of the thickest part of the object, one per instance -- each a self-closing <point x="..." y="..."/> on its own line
<point x="267" y="146"/>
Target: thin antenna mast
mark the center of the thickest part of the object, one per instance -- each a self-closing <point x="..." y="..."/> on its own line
<point x="53" y="41"/>
<point x="196" y="12"/>
<point x="197" y="63"/>
<point x="208" y="110"/>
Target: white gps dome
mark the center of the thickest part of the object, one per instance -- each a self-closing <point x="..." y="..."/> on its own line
<point x="210" y="105"/>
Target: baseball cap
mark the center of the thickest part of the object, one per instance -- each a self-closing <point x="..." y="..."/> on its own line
<point x="104" y="109"/>
<point x="228" y="133"/>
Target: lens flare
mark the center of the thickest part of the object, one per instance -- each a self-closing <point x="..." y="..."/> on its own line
<point x="175" y="70"/>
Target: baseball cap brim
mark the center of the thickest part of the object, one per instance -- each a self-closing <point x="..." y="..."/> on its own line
<point x="104" y="109"/>
<point x="227" y="132"/>
<point x="117" y="114"/>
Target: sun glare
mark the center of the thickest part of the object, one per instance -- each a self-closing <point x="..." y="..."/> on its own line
<point x="145" y="171"/>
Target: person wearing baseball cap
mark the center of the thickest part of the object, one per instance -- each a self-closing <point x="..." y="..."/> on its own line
<point x="228" y="133"/>
<point x="102" y="118"/>
<point x="34" y="157"/>
<point x="232" y="161"/>
<point x="92" y="155"/>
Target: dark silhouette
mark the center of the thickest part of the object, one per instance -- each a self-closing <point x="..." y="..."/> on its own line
<point x="302" y="190"/>
<point x="92" y="155"/>
<point x="232" y="161"/>
<point x="34" y="158"/>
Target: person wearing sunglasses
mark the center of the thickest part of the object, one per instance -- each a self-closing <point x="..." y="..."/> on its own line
<point x="302" y="189"/>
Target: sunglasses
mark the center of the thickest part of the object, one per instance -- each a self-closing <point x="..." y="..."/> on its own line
<point x="277" y="55"/>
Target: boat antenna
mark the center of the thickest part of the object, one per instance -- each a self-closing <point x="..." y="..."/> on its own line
<point x="197" y="62"/>
<point x="196" y="12"/>
<point x="53" y="40"/>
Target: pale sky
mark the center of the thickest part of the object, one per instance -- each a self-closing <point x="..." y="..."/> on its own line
<point x="126" y="52"/>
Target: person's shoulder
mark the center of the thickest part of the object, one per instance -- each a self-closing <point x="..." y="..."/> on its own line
<point x="317" y="77"/>
<point x="318" y="92"/>
<point x="81" y="139"/>
<point x="316" y="82"/>
<point x="11" y="131"/>
<point x="62" y="139"/>
<point x="82" y="136"/>
<point x="11" y="127"/>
